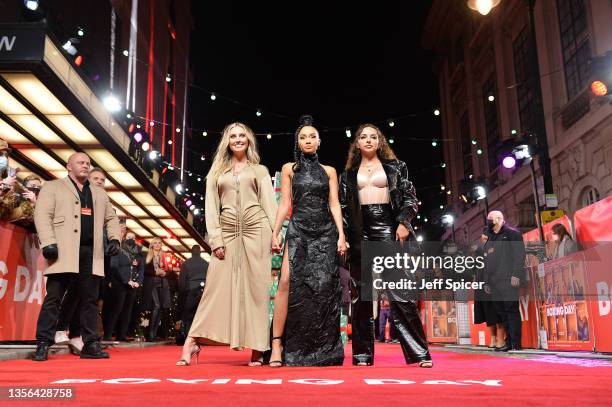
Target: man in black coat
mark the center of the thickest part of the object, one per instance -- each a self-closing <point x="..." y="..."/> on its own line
<point x="505" y="270"/>
<point x="191" y="285"/>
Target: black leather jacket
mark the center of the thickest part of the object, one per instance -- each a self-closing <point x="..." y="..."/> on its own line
<point x="403" y="200"/>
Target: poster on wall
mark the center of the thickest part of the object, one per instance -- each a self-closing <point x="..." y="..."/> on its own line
<point x="564" y="315"/>
<point x="442" y="326"/>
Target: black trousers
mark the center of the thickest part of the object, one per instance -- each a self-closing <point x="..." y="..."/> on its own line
<point x="192" y="300"/>
<point x="510" y="317"/>
<point x="118" y="310"/>
<point x="86" y="285"/>
<point x="378" y="225"/>
<point x="160" y="304"/>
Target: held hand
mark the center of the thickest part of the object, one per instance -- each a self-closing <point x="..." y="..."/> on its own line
<point x="113" y="248"/>
<point x="341" y="246"/>
<point x="514" y="281"/>
<point x="402" y="233"/>
<point x="135" y="285"/>
<point x="276" y="246"/>
<point x="30" y="196"/>
<point x="220" y="253"/>
<point x="131" y="284"/>
<point x="50" y="252"/>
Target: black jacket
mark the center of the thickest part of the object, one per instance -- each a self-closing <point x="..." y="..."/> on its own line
<point x="504" y="257"/>
<point x="403" y="200"/>
<point x="121" y="268"/>
<point x="193" y="272"/>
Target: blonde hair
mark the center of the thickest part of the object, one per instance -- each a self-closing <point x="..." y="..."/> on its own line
<point x="223" y="156"/>
<point x="151" y="252"/>
<point x="384" y="152"/>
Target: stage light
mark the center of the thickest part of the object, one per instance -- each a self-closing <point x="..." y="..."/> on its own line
<point x="471" y="176"/>
<point x="391" y="123"/>
<point x="434" y="142"/>
<point x="448" y="192"/>
<point x="509" y="162"/>
<point x="178" y="130"/>
<point x="169" y="142"/>
<point x="168" y="78"/>
<point x="258" y="113"/>
<point x="153" y="155"/>
<point x="491" y="98"/>
<point x="419" y="238"/>
<point x="213" y="96"/>
<point x="188" y="202"/>
<point x="199" y="179"/>
<point x="448" y="219"/>
<point x="126" y="52"/>
<point x="31" y="5"/>
<point x="178" y="188"/>
<point x="269" y="136"/>
<point x="129" y="116"/>
<point x="204" y="133"/>
<point x="69" y="48"/>
<point x="192" y="207"/>
<point x="138" y="137"/>
<point x="437" y="112"/>
<point x="151" y="123"/>
<point x="443" y="165"/>
<point x="78" y="61"/>
<point x="418" y="216"/>
<point x="112" y="104"/>
<point x="348" y="133"/>
<point x="441" y="206"/>
<point x="391" y="141"/>
<point x="146" y="146"/>
<point x="442" y="187"/>
<point x="513" y="132"/>
<point x="81" y="32"/>
<point x="481" y="192"/>
<point x="479" y="151"/>
<point x="203" y="157"/>
<point x="474" y="141"/>
<point x="197" y="212"/>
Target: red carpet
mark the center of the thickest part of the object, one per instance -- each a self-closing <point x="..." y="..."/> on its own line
<point x="456" y="379"/>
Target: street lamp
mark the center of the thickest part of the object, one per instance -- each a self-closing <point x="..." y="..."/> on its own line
<point x="483" y="7"/>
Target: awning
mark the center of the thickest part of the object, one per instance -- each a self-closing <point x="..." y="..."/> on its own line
<point x="48" y="112"/>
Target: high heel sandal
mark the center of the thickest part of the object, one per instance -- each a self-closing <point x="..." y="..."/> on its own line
<point x="195" y="351"/>
<point x="256" y="362"/>
<point x="277" y="363"/>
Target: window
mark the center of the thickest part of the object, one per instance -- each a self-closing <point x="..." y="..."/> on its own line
<point x="590" y="196"/>
<point x="491" y="121"/>
<point x="527" y="103"/>
<point x="466" y="145"/>
<point x="573" y="28"/>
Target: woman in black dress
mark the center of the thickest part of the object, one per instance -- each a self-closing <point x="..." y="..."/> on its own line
<point x="306" y="324"/>
<point x="378" y="202"/>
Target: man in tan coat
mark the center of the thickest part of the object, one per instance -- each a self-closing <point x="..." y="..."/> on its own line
<point x="70" y="217"/>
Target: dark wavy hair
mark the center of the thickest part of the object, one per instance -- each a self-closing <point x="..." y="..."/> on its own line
<point x="384" y="151"/>
<point x="305" y="120"/>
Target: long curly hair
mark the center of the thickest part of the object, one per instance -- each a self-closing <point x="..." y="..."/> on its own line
<point x="384" y="151"/>
<point x="223" y="156"/>
<point x="305" y="120"/>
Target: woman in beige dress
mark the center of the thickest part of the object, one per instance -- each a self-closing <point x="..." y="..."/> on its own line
<point x="240" y="210"/>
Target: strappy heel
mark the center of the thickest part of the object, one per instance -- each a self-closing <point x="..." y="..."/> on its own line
<point x="256" y="362"/>
<point x="277" y="363"/>
<point x="426" y="364"/>
<point x="195" y="352"/>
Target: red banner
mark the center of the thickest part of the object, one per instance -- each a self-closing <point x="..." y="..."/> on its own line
<point x="22" y="286"/>
<point x="599" y="285"/>
<point x="593" y="223"/>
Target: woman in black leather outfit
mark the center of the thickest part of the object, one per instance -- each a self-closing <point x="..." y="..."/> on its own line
<point x="306" y="325"/>
<point x="378" y="202"/>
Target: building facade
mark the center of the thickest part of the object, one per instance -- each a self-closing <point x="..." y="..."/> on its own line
<point x="483" y="65"/>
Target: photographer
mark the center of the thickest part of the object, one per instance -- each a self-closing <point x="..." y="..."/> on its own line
<point x="126" y="275"/>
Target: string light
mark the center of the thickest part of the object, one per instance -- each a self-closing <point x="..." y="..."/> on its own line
<point x="258" y="113"/>
<point x="442" y="187"/>
<point x="479" y="151"/>
<point x="391" y="123"/>
<point x="348" y="133"/>
<point x="178" y="130"/>
<point x="168" y="78"/>
<point x="169" y="142"/>
<point x="474" y="141"/>
<point x="491" y="98"/>
<point x="126" y="52"/>
<point x="434" y="142"/>
<point x="391" y="141"/>
<point x="443" y="165"/>
<point x="151" y="123"/>
<point x="513" y="132"/>
<point x="437" y="112"/>
<point x="203" y="157"/>
<point x="146" y="146"/>
<point x="269" y="136"/>
<point x="213" y="96"/>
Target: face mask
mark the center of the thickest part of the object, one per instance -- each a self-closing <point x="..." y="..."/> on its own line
<point x="3" y="163"/>
<point x="130" y="242"/>
<point x="490" y="224"/>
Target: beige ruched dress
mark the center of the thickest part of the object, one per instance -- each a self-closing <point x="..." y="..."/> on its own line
<point x="240" y="211"/>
